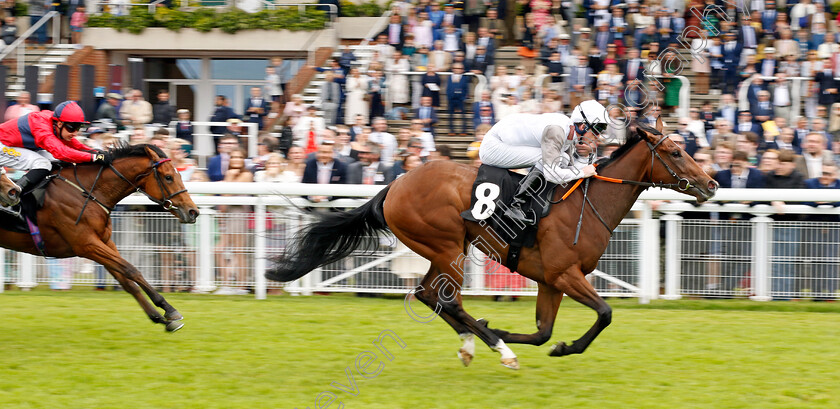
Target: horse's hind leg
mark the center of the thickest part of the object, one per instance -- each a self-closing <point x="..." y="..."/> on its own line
<point x="573" y="283"/>
<point x="132" y="281"/>
<point x="548" y="301"/>
<point x="428" y="296"/>
<point x="442" y="292"/>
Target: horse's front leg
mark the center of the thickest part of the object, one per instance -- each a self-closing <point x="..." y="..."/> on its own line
<point x="548" y="301"/>
<point x="573" y="283"/>
<point x="132" y="281"/>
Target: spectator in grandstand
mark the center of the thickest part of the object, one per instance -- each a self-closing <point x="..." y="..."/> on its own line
<point x="183" y="126"/>
<point x="324" y="169"/>
<point x="162" y="111"/>
<point x="296" y="163"/>
<point x="108" y="110"/>
<point x="748" y="142"/>
<point x="786" y="238"/>
<point x="398" y="85"/>
<point x="272" y="86"/>
<point x="222" y="113"/>
<point x="431" y="85"/>
<point x="308" y="130"/>
<point x="457" y="89"/>
<point x="356" y="96"/>
<point x="723" y="156"/>
<point x="386" y="140"/>
<point x="21" y="107"/>
<point x="426" y="114"/>
<point x="256" y="108"/>
<point x="218" y="165"/>
<point x="440" y="58"/>
<point x="376" y="93"/>
<point x="266" y="145"/>
<point x="234" y="234"/>
<point x="740" y="174"/>
<point x="368" y="170"/>
<point x="814" y="154"/>
<point x="294" y="109"/>
<point x="9" y="30"/>
<point x="136" y="111"/>
<point x="407" y="162"/>
<point x="276" y="171"/>
<point x="359" y="142"/>
<point x="179" y="150"/>
<point x="579" y="81"/>
<point x="551" y="101"/>
<point x="693" y="142"/>
<point x="762" y="111"/>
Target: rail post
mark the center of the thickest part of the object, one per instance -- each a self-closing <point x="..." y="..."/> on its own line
<point x="649" y="263"/>
<point x="205" y="250"/>
<point x="259" y="251"/>
<point x="672" y="255"/>
<point x="762" y="250"/>
<point x="26" y="263"/>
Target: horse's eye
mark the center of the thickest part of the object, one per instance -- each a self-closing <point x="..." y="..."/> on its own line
<point x="676" y="154"/>
<point x="168" y="178"/>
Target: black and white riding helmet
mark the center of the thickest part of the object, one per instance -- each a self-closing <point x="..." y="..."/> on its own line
<point x="592" y="115"/>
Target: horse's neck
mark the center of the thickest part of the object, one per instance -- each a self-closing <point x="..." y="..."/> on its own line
<point x="614" y="200"/>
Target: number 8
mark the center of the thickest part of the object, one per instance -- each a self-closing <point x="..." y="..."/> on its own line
<point x="485" y="195"/>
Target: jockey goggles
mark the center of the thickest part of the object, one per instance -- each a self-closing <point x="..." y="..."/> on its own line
<point x="73" y="126"/>
<point x="598" y="128"/>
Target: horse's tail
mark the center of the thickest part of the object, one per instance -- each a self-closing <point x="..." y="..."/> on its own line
<point x="331" y="239"/>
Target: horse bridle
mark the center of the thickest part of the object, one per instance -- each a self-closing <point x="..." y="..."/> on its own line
<point x="682" y="184"/>
<point x="166" y="202"/>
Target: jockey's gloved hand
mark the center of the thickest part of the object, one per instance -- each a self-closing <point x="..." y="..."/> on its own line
<point x="102" y="157"/>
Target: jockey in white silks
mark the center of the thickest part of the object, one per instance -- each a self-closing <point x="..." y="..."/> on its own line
<point x="546" y="142"/>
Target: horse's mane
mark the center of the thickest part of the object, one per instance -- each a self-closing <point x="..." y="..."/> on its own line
<point x="124" y="150"/>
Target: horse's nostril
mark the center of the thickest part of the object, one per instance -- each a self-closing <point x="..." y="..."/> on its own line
<point x="713" y="186"/>
<point x="13" y="192"/>
<point x="194" y="213"/>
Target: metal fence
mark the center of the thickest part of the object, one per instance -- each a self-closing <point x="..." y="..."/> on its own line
<point x="715" y="250"/>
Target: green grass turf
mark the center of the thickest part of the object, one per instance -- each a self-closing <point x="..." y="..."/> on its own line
<point x="97" y="350"/>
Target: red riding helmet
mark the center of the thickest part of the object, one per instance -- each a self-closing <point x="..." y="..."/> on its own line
<point x="69" y="111"/>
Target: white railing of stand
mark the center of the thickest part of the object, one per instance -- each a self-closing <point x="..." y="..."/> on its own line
<point x="20" y="44"/>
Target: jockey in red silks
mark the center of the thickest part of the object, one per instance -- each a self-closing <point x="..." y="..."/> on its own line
<point x="51" y="131"/>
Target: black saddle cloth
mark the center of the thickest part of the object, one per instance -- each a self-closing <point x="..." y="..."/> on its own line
<point x="491" y="196"/>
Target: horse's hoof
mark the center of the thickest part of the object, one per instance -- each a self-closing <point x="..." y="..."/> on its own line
<point x="512" y="363"/>
<point x="173" y="316"/>
<point x="174" y="326"/>
<point x="465" y="356"/>
<point x="559" y="349"/>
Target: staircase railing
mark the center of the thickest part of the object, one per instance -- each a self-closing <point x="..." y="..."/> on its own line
<point x="19" y="45"/>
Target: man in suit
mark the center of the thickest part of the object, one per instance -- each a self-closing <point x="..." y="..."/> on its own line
<point x="740" y="175"/>
<point x="762" y="111"/>
<point x="457" y="88"/>
<point x="451" y="38"/>
<point x="828" y="85"/>
<point x="731" y="56"/>
<point x="218" y="165"/>
<point x="480" y="62"/>
<point x="330" y="98"/>
<point x="727" y="109"/>
<point x="746" y="124"/>
<point x="256" y="108"/>
<point x="633" y="68"/>
<point x="814" y="155"/>
<point x="426" y="113"/>
<point x="768" y="17"/>
<point x="768" y="65"/>
<point x="483" y="107"/>
<point x="324" y="169"/>
<point x="394" y="32"/>
<point x="486" y="40"/>
<point x="222" y="113"/>
<point x="579" y="80"/>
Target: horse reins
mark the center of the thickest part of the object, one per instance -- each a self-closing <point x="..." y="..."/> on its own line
<point x="682" y="184"/>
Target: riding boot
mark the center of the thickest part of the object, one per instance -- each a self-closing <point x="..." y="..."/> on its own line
<point x="31" y="179"/>
<point x="520" y="198"/>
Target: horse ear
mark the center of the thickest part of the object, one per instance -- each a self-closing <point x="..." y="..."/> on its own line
<point x="659" y="124"/>
<point x="152" y="154"/>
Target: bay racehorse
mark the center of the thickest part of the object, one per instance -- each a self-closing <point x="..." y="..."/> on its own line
<point x="423" y="209"/>
<point x="75" y="218"/>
